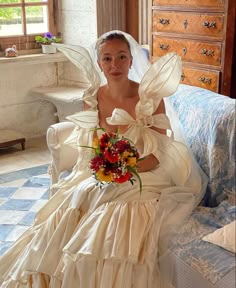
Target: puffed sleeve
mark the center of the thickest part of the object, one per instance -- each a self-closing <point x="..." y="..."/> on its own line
<point x="81" y="58"/>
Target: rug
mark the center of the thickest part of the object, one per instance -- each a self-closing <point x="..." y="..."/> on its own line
<point x="22" y="194"/>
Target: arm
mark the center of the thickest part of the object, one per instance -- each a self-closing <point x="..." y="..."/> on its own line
<point x="150" y="162"/>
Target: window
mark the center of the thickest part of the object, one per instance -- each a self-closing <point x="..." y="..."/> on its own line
<point x="22" y="20"/>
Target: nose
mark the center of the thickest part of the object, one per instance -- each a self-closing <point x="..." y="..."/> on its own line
<point x="115" y="63"/>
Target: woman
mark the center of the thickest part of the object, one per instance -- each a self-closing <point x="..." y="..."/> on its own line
<point x="112" y="236"/>
<point x="115" y="60"/>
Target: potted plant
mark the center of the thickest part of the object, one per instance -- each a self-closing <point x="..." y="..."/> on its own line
<point x="46" y="40"/>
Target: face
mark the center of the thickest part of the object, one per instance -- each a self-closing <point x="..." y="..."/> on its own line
<point x="114" y="59"/>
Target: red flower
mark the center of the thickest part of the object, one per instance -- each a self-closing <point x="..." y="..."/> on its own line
<point x="111" y="155"/>
<point x="123" y="178"/>
<point x="104" y="142"/>
<point x="97" y="162"/>
<point x="104" y="138"/>
<point x="121" y="146"/>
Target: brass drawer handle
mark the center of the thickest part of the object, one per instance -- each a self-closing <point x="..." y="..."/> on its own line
<point x="208" y="24"/>
<point x="182" y="77"/>
<point x="164" y="46"/>
<point x="185" y="23"/>
<point x="206" y="52"/>
<point x="205" y="80"/>
<point x="164" y="21"/>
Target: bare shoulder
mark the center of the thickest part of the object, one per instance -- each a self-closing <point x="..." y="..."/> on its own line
<point x="102" y="91"/>
<point x="134" y="85"/>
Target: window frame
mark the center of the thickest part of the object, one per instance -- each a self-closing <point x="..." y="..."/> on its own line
<point x="27" y="42"/>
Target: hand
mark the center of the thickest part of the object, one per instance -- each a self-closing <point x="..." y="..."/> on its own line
<point x="148" y="163"/>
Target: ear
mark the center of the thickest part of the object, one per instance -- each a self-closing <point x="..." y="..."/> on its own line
<point x="131" y="62"/>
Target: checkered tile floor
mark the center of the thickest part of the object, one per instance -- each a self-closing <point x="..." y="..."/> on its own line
<point x="22" y="194"/>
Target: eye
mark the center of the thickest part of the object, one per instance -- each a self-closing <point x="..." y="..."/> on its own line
<point x="122" y="57"/>
<point x="106" y="59"/>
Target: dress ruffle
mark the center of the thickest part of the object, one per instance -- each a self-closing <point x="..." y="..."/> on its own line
<point x="70" y="235"/>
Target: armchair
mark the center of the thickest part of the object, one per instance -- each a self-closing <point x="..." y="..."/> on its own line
<point x="63" y="156"/>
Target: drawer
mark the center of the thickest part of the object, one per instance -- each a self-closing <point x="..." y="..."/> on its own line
<point x="202" y="52"/>
<point x="207" y="79"/>
<point x="186" y="22"/>
<point x="219" y="4"/>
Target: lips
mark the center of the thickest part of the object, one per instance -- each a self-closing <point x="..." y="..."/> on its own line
<point x="115" y="73"/>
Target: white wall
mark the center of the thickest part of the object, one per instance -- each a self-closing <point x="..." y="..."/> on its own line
<point x="78" y="21"/>
<point x="18" y="109"/>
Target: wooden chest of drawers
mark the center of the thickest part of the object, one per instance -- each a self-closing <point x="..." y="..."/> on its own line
<point x="202" y="33"/>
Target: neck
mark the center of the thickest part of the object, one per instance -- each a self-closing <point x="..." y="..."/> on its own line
<point x="118" y="90"/>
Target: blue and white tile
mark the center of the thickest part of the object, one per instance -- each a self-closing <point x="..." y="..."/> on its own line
<point x="22" y="194"/>
<point x="38" y="205"/>
<point x="16" y="233"/>
<point x="32" y="193"/>
<point x="10" y="217"/>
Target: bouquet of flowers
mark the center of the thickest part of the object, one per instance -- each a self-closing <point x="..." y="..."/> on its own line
<point x="115" y="160"/>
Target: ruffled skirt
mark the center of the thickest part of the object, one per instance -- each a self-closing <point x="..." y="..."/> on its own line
<point x="96" y="237"/>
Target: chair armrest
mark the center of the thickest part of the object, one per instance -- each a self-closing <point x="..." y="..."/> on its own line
<point x="64" y="156"/>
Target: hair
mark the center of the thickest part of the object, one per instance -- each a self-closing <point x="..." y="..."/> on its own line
<point x="110" y="37"/>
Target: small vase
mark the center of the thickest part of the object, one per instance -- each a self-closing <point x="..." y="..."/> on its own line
<point x="49" y="49"/>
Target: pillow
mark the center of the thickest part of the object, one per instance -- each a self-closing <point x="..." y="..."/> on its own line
<point x="224" y="237"/>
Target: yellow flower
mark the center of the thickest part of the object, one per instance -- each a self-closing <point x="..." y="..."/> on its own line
<point x="102" y="176"/>
<point x="131" y="161"/>
<point x="95" y="142"/>
<point x="126" y="154"/>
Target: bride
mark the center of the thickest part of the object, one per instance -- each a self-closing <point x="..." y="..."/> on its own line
<point x="112" y="236"/>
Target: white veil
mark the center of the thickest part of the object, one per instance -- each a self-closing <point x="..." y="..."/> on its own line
<point x="140" y="62"/>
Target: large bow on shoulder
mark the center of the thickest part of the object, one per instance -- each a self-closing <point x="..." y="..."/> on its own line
<point x="81" y="58"/>
<point x="161" y="80"/>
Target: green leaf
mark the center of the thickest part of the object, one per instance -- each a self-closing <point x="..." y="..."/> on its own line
<point x="134" y="171"/>
<point x="83" y="146"/>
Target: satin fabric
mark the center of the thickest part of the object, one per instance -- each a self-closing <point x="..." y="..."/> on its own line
<point x="111" y="236"/>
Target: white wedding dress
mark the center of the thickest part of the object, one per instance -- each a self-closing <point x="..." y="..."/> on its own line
<point x="87" y="236"/>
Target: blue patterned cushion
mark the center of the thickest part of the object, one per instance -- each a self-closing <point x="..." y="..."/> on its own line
<point x="212" y="262"/>
<point x="208" y="123"/>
